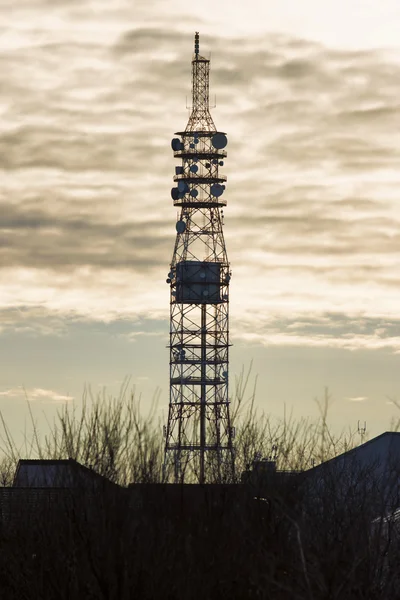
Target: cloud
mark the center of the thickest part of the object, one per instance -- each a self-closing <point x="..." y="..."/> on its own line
<point x="12" y="393"/>
<point x="36" y="238"/>
<point x="87" y="225"/>
<point x="328" y="330"/>
<point x="134" y="336"/>
<point x="39" y="395"/>
<point x="32" y="320"/>
<point x="357" y="399"/>
<point x="43" y="396"/>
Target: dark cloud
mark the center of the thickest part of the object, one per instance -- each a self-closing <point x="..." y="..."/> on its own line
<point x="146" y="40"/>
<point x="56" y="148"/>
<point x="34" y="238"/>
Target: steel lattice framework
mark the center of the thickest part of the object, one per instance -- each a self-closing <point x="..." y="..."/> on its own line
<point x="199" y="436"/>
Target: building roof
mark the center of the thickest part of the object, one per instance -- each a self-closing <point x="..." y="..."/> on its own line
<point x="381" y="453"/>
<point x="66" y="473"/>
<point x="370" y="472"/>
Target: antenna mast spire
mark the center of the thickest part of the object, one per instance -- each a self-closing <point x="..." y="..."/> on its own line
<point x="199" y="435"/>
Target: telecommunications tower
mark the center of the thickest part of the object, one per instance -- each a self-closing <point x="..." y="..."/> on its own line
<point x="199" y="435"/>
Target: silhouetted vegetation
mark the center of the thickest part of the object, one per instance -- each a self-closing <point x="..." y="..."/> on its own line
<point x="281" y="538"/>
<point x="120" y="441"/>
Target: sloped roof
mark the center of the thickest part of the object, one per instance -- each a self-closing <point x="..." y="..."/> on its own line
<point x="66" y="473"/>
<point x="381" y="453"/>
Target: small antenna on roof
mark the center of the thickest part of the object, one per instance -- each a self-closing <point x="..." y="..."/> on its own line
<point x="196" y="44"/>
<point x="362" y="430"/>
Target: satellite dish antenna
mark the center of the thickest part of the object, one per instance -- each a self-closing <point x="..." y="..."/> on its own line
<point x="180" y="226"/>
<point x="216" y="190"/>
<point x="194" y="168"/>
<point x="183" y="187"/>
<point x="176" y="144"/>
<point x="194" y="193"/>
<point x="219" y="141"/>
<point x="175" y="193"/>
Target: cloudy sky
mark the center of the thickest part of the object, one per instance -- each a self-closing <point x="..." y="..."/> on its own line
<point x="91" y="92"/>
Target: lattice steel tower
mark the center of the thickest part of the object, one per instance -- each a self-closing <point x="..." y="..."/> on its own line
<point x="199" y="436"/>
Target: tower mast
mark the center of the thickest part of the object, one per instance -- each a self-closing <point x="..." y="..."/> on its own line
<point x="199" y="436"/>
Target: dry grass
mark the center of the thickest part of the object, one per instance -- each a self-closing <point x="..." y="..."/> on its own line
<point x="116" y="438"/>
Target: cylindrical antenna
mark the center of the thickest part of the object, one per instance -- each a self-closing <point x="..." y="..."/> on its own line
<point x="196" y="44"/>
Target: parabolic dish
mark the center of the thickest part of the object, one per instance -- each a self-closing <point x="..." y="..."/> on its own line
<point x="216" y="190"/>
<point x="175" y="193"/>
<point x="194" y="168"/>
<point x="183" y="187"/>
<point x="176" y="144"/>
<point x="180" y="226"/>
<point x="219" y="141"/>
<point x="194" y="193"/>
